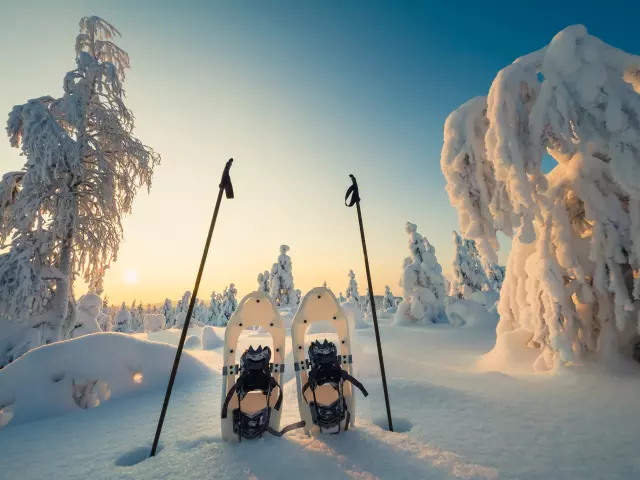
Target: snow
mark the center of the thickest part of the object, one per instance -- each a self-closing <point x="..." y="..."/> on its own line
<point x="40" y="384"/>
<point x="193" y="342"/>
<point x="354" y="315"/>
<point x="154" y="322"/>
<point x="210" y="339"/>
<point x="458" y="420"/>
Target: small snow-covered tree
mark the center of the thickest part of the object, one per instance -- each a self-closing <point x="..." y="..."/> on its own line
<point x="468" y="274"/>
<point x="105" y="304"/>
<point x="388" y="301"/>
<point x="281" y="286"/>
<point x="200" y="312"/>
<point x="83" y="168"/>
<point x="365" y="305"/>
<point x="298" y="296"/>
<point x="263" y="281"/>
<point x="341" y="298"/>
<point x="352" y="289"/>
<point x="167" y="311"/>
<point x="215" y="310"/>
<point x="122" y="322"/>
<point x="572" y="276"/>
<point x="183" y="304"/>
<point x="87" y="312"/>
<point x="229" y="303"/>
<point x="422" y="282"/>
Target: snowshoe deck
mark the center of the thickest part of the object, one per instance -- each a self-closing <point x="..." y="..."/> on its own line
<point x="327" y="405"/>
<point x="246" y="388"/>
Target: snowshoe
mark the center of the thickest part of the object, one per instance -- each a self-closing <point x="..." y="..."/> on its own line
<point x="325" y="385"/>
<point x="251" y="391"/>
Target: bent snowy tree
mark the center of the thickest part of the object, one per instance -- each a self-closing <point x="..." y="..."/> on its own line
<point x="81" y="175"/>
<point x="572" y="276"/>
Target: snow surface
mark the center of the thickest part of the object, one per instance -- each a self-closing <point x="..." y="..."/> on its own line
<point x="458" y="420"/>
<point x="40" y="384"/>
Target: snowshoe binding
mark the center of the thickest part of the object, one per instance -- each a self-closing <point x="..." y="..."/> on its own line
<point x="255" y="377"/>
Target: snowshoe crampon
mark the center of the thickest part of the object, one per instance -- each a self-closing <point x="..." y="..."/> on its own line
<point x="251" y="391"/>
<point x="324" y="380"/>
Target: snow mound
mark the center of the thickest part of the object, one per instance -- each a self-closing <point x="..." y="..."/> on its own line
<point x="467" y="313"/>
<point x="354" y="315"/>
<point x="82" y="372"/>
<point x="321" y="327"/>
<point x="87" y="312"/>
<point x="193" y="342"/>
<point x="210" y="339"/>
<point x="154" y="322"/>
<point x="485" y="298"/>
<point x="511" y="353"/>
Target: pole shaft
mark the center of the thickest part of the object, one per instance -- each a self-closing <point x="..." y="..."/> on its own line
<point x="183" y="337"/>
<point x="375" y="318"/>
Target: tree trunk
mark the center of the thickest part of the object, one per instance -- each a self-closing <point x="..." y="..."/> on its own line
<point x="63" y="289"/>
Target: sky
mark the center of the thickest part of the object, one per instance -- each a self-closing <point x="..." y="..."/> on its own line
<point x="301" y="94"/>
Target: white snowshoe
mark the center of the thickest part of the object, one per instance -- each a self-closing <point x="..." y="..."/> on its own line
<point x="325" y="384"/>
<point x="252" y="390"/>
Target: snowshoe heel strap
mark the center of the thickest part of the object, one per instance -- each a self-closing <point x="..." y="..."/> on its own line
<point x="287" y="429"/>
<point x="356" y="383"/>
<point x="225" y="405"/>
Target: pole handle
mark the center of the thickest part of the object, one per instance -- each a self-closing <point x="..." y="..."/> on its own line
<point x="225" y="182"/>
<point x="353" y="192"/>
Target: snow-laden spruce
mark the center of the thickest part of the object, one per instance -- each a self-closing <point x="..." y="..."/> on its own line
<point x="167" y="311"/>
<point x="229" y="304"/>
<point x="215" y="310"/>
<point x="62" y="213"/>
<point x="86" y="319"/>
<point x="572" y="277"/>
<point x="281" y="287"/>
<point x="422" y="283"/>
<point x="352" y="289"/>
<point x="263" y="281"/>
<point x="122" y="322"/>
<point x="468" y="273"/>
<point x="388" y="301"/>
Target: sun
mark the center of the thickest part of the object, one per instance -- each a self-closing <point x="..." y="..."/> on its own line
<point x="130" y="276"/>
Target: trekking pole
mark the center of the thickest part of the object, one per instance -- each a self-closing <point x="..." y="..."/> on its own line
<point x="355" y="199"/>
<point x="227" y="188"/>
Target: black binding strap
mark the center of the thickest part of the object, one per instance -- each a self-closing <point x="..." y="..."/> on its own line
<point x="286" y="429"/>
<point x="225" y="405"/>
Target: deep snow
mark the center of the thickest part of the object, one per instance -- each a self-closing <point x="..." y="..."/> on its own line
<point x="458" y="422"/>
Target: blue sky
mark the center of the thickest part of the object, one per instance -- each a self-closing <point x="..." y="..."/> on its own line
<point x="301" y="94"/>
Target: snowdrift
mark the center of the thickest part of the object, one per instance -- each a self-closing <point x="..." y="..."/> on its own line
<point x="354" y="315"/>
<point x="82" y="372"/>
<point x="210" y="339"/>
<point x="470" y="314"/>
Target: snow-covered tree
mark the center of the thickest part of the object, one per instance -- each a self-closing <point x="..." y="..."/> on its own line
<point x="229" y="303"/>
<point x="263" y="281"/>
<point x="122" y="322"/>
<point x="341" y="298"/>
<point x="105" y="304"/>
<point x="62" y="213"/>
<point x="422" y="282"/>
<point x="572" y="275"/>
<point x="281" y="286"/>
<point x="200" y="312"/>
<point x="183" y="303"/>
<point x="365" y="305"/>
<point x="167" y="311"/>
<point x="388" y="301"/>
<point x="468" y="274"/>
<point x="495" y="276"/>
<point x="87" y="312"/>
<point x="352" y="289"/>
<point x="215" y="310"/>
<point x="298" y="296"/>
